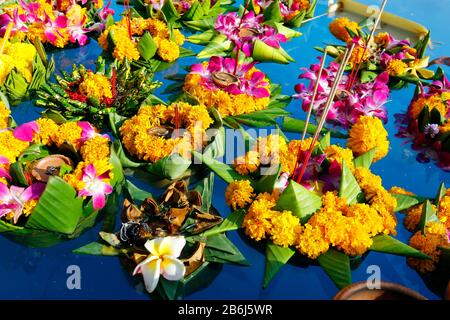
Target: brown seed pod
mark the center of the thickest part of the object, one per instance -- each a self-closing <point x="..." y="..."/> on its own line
<point x="224" y="79"/>
<point x="44" y="168"/>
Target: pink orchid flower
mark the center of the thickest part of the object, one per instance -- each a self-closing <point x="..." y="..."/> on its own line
<point x="106" y="11"/>
<point x="13" y="199"/>
<point x="52" y="27"/>
<point x="95" y="187"/>
<point x="88" y="131"/>
<point x="26" y="131"/>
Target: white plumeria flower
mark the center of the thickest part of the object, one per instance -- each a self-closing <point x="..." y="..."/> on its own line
<point x="163" y="260"/>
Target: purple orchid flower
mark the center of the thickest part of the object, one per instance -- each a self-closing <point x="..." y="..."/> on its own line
<point x="13" y="199"/>
<point x="106" y="11"/>
<point x="95" y="187"/>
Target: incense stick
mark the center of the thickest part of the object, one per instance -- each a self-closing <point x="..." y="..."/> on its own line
<point x="353" y="75"/>
<point x="330" y="99"/>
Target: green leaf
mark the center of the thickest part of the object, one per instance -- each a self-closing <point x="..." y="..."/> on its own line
<point x="325" y="141"/>
<point x="220" y="249"/>
<point x="232" y="222"/>
<point x="218" y="46"/>
<point x="99" y="249"/>
<point x="365" y="160"/>
<point x="388" y="244"/>
<point x="441" y="193"/>
<point x="147" y="46"/>
<point x="337" y="265"/>
<point x="273" y="12"/>
<point x="265" y="53"/>
<point x="222" y="170"/>
<point x="267" y="182"/>
<point x="424" y="118"/>
<point x="59" y="209"/>
<point x="276" y="257"/>
<point x="299" y="200"/>
<point x="368" y="76"/>
<point x="136" y="194"/>
<point x="405" y="201"/>
<point x="123" y="157"/>
<point x="349" y="188"/>
<point x="206" y="190"/>
<point x="170" y="12"/>
<point x="171" y="167"/>
<point x="195" y="12"/>
<point x="428" y="215"/>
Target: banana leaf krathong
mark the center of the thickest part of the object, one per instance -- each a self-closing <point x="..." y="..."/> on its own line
<point x="404" y="62"/>
<point x="427" y="122"/>
<point x="288" y="215"/>
<point x="185" y="218"/>
<point x="161" y="146"/>
<point x="247" y="33"/>
<point x="57" y="24"/>
<point x="290" y="13"/>
<point x="88" y="95"/>
<point x="428" y="220"/>
<point x="242" y="94"/>
<point x="145" y="42"/>
<point x="56" y="181"/>
<point x="27" y="68"/>
<point x="195" y="15"/>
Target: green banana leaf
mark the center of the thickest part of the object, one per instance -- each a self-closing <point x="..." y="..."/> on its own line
<point x="299" y="200"/>
<point x="365" y="160"/>
<point x="337" y="266"/>
<point x="388" y="244"/>
<point x="276" y="257"/>
<point x="222" y="170"/>
<point x="428" y="215"/>
<point x="349" y="188"/>
<point x="406" y="201"/>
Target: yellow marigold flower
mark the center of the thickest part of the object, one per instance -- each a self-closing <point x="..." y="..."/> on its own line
<point x="311" y="243"/>
<point x="368" y="217"/>
<point x="339" y="27"/>
<point x="48" y="129"/>
<point x="226" y="104"/>
<point x="94" y="149"/>
<point x="382" y="39"/>
<point x="396" y="67"/>
<point x="359" y="54"/>
<point x="445" y="127"/>
<point x="178" y="37"/>
<point x="413" y="215"/>
<point x="257" y="220"/>
<point x="6" y="65"/>
<point x="366" y="134"/>
<point x="103" y="40"/>
<point x="124" y="46"/>
<point x="435" y="227"/>
<point x="10" y="147"/>
<point x="76" y="14"/>
<point x="99" y="4"/>
<point x="75" y="178"/>
<point x="4" y="115"/>
<point x="69" y="132"/>
<point x="239" y="194"/>
<point x="427" y="243"/>
<point x="168" y="50"/>
<point x="157" y="28"/>
<point x="36" y="30"/>
<point x="444" y="210"/>
<point x="285" y="228"/>
<point x="289" y="155"/>
<point x="247" y="164"/>
<point x="335" y="152"/>
<point x="271" y="148"/>
<point x="23" y="55"/>
<point x="433" y="102"/>
<point x="399" y="190"/>
<point x="96" y="85"/>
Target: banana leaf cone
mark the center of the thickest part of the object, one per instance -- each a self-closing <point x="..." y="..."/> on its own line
<point x="303" y="204"/>
<point x="16" y="86"/>
<point x="294" y="17"/>
<point x="174" y="166"/>
<point x="60" y="214"/>
<point x="186" y="215"/>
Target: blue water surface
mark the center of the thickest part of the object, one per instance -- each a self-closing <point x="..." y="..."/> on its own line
<point x="41" y="273"/>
